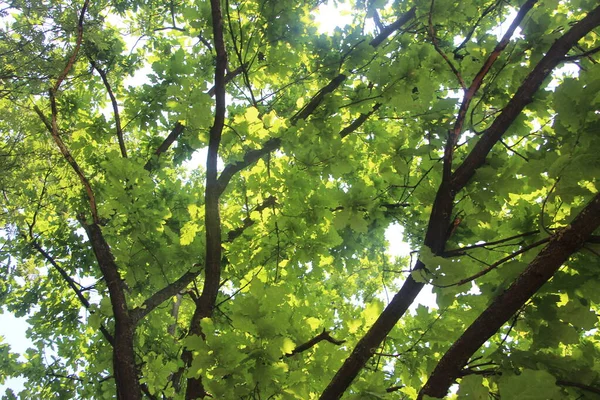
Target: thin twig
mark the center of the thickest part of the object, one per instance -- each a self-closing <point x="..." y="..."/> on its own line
<point x="434" y="40"/>
<point x="496" y="264"/>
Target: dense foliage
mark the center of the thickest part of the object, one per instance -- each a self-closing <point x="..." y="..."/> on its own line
<point x="263" y="273"/>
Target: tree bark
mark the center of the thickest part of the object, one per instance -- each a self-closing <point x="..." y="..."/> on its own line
<point x="561" y="246"/>
<point x="125" y="369"/>
<point x="436" y="235"/>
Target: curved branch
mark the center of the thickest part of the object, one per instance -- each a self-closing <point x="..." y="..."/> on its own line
<point x="524" y="96"/>
<point x="323" y="336"/>
<point x="73" y="57"/>
<point x="72" y="284"/>
<point x="455" y="71"/>
<point x="212" y="266"/>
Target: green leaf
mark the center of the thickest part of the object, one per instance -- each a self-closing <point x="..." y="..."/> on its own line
<point x="529" y="385"/>
<point x="471" y="387"/>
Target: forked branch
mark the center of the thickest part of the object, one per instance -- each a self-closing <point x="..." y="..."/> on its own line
<point x="558" y="250"/>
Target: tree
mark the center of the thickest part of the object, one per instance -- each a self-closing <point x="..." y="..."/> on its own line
<point x="264" y="273"/>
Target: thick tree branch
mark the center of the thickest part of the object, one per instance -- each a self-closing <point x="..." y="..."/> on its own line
<point x="115" y="106"/>
<point x="212" y="267"/>
<point x="436" y="235"/>
<point x="124" y="363"/>
<point x="212" y="270"/>
<point x="561" y="246"/>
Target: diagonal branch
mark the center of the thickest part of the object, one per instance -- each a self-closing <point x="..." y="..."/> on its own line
<point x="274" y="143"/>
<point x="72" y="284"/>
<point x="235" y="233"/>
<point x="359" y="121"/>
<point x="439" y="220"/>
<point x="115" y="106"/>
<point x="163" y="295"/>
<point x="393" y="27"/>
<point x="560" y="247"/>
<point x="587" y="388"/>
<point x="496" y="264"/>
<point x="469" y="35"/>
<point x="182" y="282"/>
<point x="584" y="54"/>
<point x="476" y="84"/>
<point x="249" y="158"/>
<point x="52" y="126"/>
<point x="229" y="77"/>
<point x="164" y="146"/>
<point x="312" y="105"/>
<point x="75" y="52"/>
<point x="462" y="250"/>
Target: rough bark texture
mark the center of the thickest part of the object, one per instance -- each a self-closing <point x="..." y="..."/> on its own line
<point x="212" y="270"/>
<point x="436" y="235"/>
<point x="125" y="370"/>
<point x="560" y="247"/>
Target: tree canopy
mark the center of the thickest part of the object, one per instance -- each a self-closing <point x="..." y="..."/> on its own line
<point x="263" y="272"/>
